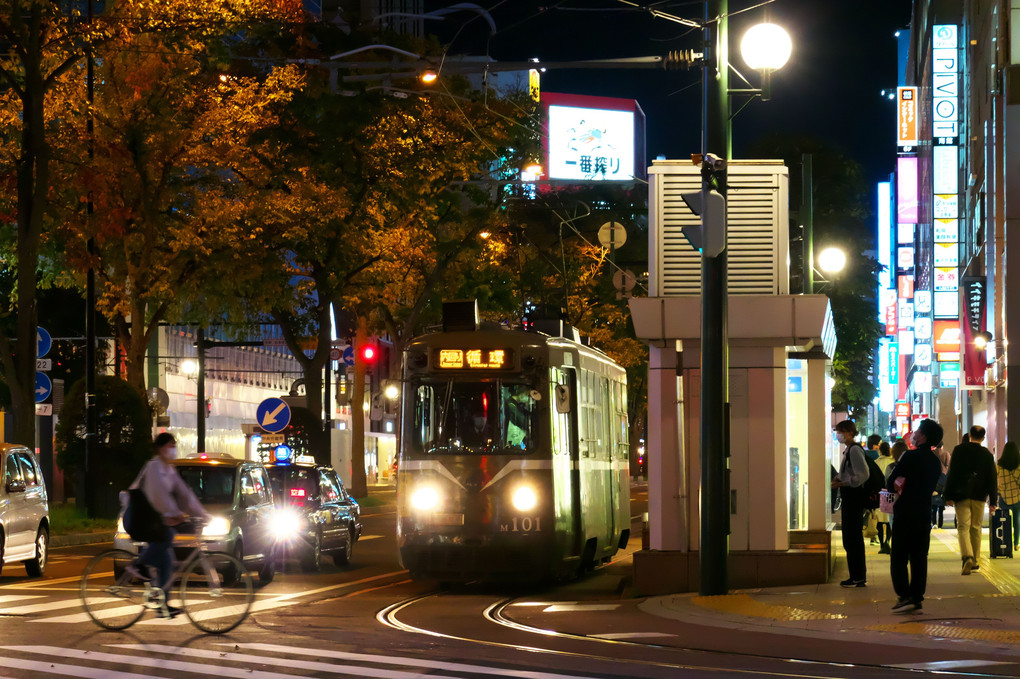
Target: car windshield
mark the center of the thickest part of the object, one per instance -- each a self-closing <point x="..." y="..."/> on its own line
<point x="475" y="417"/>
<point x="293" y="485"/>
<point x="212" y="485"/>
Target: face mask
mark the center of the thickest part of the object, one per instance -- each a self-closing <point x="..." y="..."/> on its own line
<point x="171" y="453"/>
<point x="839" y="436"/>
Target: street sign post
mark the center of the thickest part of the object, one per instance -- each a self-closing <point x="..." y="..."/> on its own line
<point x="273" y="415"/>
<point x="349" y="356"/>
<point x="43" y="342"/>
<point x="43" y="387"/>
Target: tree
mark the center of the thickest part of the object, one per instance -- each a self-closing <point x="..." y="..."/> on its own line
<point x="170" y="144"/>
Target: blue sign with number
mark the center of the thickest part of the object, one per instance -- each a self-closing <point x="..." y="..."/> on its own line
<point x="349" y="356"/>
<point x="43" y="342"/>
<point x="273" y="415"/>
<point x="43" y="387"/>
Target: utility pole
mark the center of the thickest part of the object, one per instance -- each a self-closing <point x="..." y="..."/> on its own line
<point x="714" y="431"/>
<point x="83" y="487"/>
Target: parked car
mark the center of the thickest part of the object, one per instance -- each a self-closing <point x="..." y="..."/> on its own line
<point x="315" y="511"/>
<point x="24" y="510"/>
<point x="239" y="497"/>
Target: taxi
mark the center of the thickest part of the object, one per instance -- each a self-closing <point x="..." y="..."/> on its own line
<point x="315" y="514"/>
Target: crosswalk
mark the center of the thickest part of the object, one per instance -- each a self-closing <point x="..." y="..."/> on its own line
<point x="248" y="660"/>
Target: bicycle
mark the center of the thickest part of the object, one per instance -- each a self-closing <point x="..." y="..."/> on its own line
<point x="107" y="580"/>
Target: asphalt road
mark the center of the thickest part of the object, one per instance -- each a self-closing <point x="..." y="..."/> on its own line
<point x="372" y="620"/>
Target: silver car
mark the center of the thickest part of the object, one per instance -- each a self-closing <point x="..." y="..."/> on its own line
<point x="24" y="510"/>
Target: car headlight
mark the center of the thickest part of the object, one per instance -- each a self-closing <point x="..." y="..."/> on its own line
<point x="217" y="526"/>
<point x="524" y="498"/>
<point x="285" y="525"/>
<point x="425" y="498"/>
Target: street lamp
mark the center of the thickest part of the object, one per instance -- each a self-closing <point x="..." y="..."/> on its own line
<point x="189" y="368"/>
<point x="832" y="260"/>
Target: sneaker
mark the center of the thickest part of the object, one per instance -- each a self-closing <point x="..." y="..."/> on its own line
<point x="169" y="612"/>
<point x="850" y="583"/>
<point x="968" y="566"/>
<point x="906" y="606"/>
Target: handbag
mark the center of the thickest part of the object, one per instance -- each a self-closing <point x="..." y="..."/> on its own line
<point x="141" y="520"/>
<point x="886" y="500"/>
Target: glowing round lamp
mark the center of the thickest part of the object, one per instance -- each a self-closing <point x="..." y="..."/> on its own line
<point x="392" y="391"/>
<point x="766" y="47"/>
<point x="429" y="77"/>
<point x="832" y="260"/>
<point x="189" y="367"/>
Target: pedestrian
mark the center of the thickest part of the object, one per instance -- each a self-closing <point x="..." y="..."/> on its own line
<point x="884" y="462"/>
<point x="1009" y="486"/>
<point x="874" y="441"/>
<point x="970" y="484"/>
<point x="853" y="472"/>
<point x="913" y="479"/>
<point x="938" y="500"/>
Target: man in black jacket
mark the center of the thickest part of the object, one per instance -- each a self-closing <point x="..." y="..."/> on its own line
<point x="914" y="477"/>
<point x="970" y="484"/>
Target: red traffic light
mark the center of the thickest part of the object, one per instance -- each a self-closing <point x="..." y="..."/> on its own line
<point x="368" y="353"/>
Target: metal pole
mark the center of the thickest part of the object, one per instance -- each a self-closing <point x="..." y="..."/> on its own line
<point x="91" y="419"/>
<point x="715" y="511"/>
<point x="200" y="409"/>
<point x="808" y="215"/>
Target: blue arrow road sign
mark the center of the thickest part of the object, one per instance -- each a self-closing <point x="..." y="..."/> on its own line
<point x="43" y="342"/>
<point x="43" y="387"/>
<point x="273" y="415"/>
<point x="349" y="356"/>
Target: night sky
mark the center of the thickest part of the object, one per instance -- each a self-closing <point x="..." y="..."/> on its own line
<point x="844" y="54"/>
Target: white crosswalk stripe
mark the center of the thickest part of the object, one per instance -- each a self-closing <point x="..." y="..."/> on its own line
<point x="240" y="660"/>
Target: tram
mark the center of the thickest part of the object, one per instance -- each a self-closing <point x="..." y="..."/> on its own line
<point x="514" y="455"/>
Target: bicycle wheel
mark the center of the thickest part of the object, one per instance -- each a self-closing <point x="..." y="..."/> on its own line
<point x="111" y="596"/>
<point x="211" y="605"/>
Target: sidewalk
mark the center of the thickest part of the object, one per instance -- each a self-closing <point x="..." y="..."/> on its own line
<point x="980" y="611"/>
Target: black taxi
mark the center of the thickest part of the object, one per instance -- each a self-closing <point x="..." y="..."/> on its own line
<point x="315" y="514"/>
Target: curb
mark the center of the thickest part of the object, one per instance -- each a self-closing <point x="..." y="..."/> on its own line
<point x="72" y="539"/>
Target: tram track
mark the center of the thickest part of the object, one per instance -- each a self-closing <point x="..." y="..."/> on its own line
<point x="494" y="613"/>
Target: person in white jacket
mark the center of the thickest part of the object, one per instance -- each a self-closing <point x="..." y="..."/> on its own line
<point x="174" y="500"/>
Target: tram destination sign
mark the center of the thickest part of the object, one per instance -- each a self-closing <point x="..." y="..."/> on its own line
<point x="470" y="359"/>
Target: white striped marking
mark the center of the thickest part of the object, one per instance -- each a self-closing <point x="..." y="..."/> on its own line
<point x="579" y="608"/>
<point x="948" y="664"/>
<point x="96" y="656"/>
<point x="8" y="598"/>
<point x="631" y="635"/>
<point x="44" y="583"/>
<point x="52" y="606"/>
<point x="355" y="657"/>
<point x="68" y="670"/>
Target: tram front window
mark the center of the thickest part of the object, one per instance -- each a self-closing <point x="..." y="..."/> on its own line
<point x="475" y="417"/>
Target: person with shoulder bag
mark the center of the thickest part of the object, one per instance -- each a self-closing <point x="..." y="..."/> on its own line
<point x="1009" y="486"/>
<point x="970" y="484"/>
<point x="168" y="497"/>
<point x="853" y="473"/>
<point x="913" y="479"/>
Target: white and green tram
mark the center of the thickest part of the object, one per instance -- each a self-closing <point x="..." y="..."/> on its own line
<point x="513" y="457"/>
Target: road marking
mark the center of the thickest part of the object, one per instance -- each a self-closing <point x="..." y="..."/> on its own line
<point x="390" y="660"/>
<point x="8" y="598"/>
<point x="52" y="606"/>
<point x="992" y="572"/>
<point x="579" y="608"/>
<point x="631" y="635"/>
<point x="97" y="656"/>
<point x="369" y="537"/>
<point x="43" y="583"/>
<point x="68" y="670"/>
<point x="948" y="664"/>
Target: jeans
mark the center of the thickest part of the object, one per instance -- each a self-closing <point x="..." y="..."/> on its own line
<point x="852" y="520"/>
<point x="970" y="515"/>
<point x="157" y="555"/>
<point x="911" y="537"/>
<point x="1014" y="515"/>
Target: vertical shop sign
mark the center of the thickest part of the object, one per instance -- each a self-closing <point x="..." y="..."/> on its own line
<point x="974" y="321"/>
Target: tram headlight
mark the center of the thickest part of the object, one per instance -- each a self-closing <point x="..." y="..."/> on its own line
<point x="425" y="498"/>
<point x="524" y="498"/>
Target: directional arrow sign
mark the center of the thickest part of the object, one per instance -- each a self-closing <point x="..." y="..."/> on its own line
<point x="43" y="342"/>
<point x="43" y="386"/>
<point x="273" y="415"/>
<point x="349" y="356"/>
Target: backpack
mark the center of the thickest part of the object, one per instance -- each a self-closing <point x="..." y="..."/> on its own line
<point x="874" y="485"/>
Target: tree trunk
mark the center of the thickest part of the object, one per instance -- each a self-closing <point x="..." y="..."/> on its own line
<point x="359" y="484"/>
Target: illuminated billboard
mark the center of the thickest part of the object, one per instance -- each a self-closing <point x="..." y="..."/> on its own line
<point x="593" y="138"/>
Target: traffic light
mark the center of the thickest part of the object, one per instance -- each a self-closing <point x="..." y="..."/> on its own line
<point x="369" y="353"/>
<point x="710" y="235"/>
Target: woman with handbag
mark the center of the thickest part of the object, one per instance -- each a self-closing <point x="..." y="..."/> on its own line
<point x="169" y="496"/>
<point x="853" y="472"/>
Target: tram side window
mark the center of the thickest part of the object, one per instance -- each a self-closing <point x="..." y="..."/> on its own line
<point x="561" y="432"/>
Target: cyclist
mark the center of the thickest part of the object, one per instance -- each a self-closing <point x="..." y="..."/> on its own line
<point x="170" y="496"/>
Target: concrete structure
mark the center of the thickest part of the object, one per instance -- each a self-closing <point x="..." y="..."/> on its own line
<point x="779" y="492"/>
